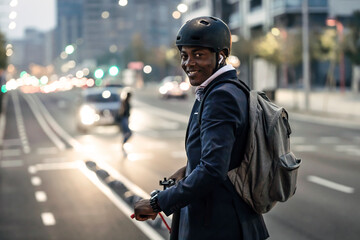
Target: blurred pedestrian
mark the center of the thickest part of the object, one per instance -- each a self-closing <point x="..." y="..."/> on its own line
<point x="123" y="118"/>
<point x="206" y="201"/>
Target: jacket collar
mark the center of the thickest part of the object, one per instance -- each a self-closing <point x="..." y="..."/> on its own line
<point x="228" y="70"/>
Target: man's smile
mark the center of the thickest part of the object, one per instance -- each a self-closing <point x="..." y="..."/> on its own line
<point x="191" y="72"/>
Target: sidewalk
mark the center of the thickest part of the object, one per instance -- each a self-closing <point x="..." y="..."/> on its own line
<point x="331" y="107"/>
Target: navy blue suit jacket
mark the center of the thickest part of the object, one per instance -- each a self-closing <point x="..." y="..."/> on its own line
<point x="213" y="208"/>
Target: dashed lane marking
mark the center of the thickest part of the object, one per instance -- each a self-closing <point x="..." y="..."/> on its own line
<point x="32" y="169"/>
<point x="20" y="123"/>
<point x="330" y="184"/>
<point x="36" y="181"/>
<point x="48" y="219"/>
<point x="40" y="196"/>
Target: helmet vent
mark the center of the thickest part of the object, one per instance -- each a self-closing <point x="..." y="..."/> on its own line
<point x="204" y="22"/>
<point x="178" y="38"/>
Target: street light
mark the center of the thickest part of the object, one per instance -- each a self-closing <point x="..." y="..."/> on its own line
<point x="182" y="7"/>
<point x="123" y="3"/>
<point x="340" y="31"/>
<point x="147" y="69"/>
<point x="69" y="49"/>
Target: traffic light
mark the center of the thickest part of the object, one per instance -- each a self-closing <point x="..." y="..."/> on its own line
<point x="99" y="73"/>
<point x="113" y="71"/>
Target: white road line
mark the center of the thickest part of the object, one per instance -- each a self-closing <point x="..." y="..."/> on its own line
<point x="32" y="169"/>
<point x="3" y="121"/>
<point x="330" y="184"/>
<point x="48" y="219"/>
<point x="178" y="154"/>
<point x="20" y="123"/>
<point x="119" y="203"/>
<point x="328" y="140"/>
<point x="61" y="132"/>
<point x="114" y="173"/>
<point x="344" y="148"/>
<point x="12" y="142"/>
<point x="139" y="156"/>
<point x="11" y="163"/>
<point x="36" y="181"/>
<point x="55" y="166"/>
<point x="304" y="148"/>
<point x="40" y="118"/>
<point x="40" y="196"/>
<point x="45" y="151"/>
<point x="10" y="152"/>
<point x="53" y="160"/>
<point x="297" y="140"/>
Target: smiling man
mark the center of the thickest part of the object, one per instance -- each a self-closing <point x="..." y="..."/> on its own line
<point x="204" y="199"/>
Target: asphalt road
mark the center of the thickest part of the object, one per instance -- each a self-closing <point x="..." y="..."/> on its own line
<point x="48" y="192"/>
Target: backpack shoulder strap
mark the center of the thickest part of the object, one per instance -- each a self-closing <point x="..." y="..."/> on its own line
<point x="239" y="83"/>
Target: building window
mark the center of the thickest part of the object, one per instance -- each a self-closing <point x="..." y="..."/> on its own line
<point x="197" y="5"/>
<point x="318" y="3"/>
<point x="255" y="4"/>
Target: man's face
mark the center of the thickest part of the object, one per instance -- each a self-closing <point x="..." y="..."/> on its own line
<point x="198" y="63"/>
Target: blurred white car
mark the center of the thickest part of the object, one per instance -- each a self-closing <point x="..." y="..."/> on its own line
<point x="174" y="87"/>
<point x="98" y="107"/>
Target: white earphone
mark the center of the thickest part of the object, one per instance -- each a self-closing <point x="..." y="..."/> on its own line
<point x="221" y="58"/>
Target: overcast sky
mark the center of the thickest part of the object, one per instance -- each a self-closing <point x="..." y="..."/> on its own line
<point x="39" y="14"/>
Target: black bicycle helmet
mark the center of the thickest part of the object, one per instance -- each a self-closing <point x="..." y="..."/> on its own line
<point x="208" y="32"/>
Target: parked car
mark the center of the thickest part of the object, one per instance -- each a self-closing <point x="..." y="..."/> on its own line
<point x="98" y="107"/>
<point x="174" y="87"/>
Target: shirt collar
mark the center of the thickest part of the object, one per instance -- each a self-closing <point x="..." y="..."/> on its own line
<point x="199" y="89"/>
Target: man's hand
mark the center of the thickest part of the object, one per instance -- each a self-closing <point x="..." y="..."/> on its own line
<point x="179" y="174"/>
<point x="143" y="210"/>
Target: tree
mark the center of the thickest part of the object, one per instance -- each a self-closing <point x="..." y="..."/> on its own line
<point x="280" y="47"/>
<point x="325" y="47"/>
<point x="3" y="57"/>
<point x="352" y="49"/>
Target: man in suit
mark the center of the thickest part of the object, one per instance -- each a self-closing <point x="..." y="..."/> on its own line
<point x="207" y="203"/>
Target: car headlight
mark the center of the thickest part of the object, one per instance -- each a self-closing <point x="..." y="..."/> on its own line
<point x="88" y="115"/>
<point x="184" y="86"/>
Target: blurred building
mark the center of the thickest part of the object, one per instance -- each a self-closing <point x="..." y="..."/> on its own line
<point x="104" y="29"/>
<point x="249" y="18"/>
<point x="29" y="50"/>
<point x="4" y="15"/>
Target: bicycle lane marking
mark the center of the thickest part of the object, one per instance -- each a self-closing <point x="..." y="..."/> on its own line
<point x="114" y="173"/>
<point x="20" y="123"/>
<point x="110" y="194"/>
